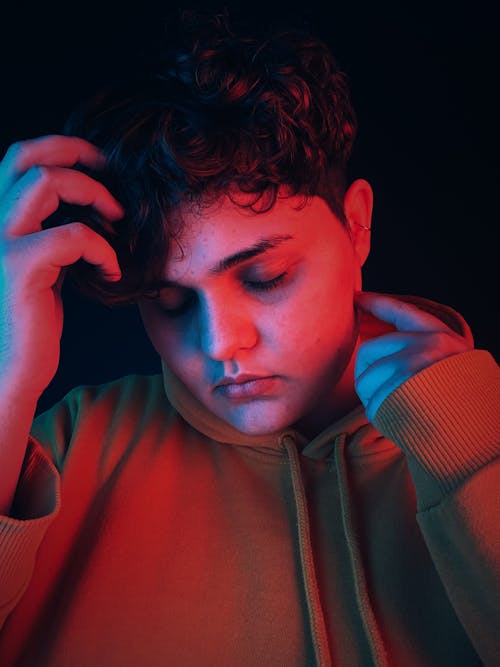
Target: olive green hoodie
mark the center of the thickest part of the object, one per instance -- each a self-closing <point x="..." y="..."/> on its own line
<point x="147" y="532"/>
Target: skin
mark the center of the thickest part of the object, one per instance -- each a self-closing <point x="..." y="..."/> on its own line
<point x="289" y="331"/>
<point x="322" y="367"/>
<point x="36" y="175"/>
<point x="305" y="331"/>
<point x="385" y="362"/>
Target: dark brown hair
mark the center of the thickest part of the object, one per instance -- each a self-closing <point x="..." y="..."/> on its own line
<point x="223" y="110"/>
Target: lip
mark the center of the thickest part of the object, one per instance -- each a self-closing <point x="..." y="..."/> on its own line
<point x="246" y="386"/>
<point x="239" y="379"/>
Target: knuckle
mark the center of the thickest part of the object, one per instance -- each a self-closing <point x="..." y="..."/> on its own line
<point x="81" y="233"/>
<point x="77" y="229"/>
<point x="39" y="174"/>
<point x="442" y="339"/>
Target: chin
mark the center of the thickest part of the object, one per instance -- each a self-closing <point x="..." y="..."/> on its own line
<point x="259" y="419"/>
<point x="255" y="429"/>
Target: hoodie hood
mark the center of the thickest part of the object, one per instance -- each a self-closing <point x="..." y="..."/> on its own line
<point x="361" y="435"/>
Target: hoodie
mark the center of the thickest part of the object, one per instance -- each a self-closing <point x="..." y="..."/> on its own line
<point x="146" y="530"/>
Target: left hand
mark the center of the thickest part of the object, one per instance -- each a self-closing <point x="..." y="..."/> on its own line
<point x="384" y="363"/>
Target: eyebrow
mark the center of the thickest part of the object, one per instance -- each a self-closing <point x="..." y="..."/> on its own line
<point x="262" y="246"/>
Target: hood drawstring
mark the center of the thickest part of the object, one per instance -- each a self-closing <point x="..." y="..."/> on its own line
<point x="316" y="615"/>
<point x="374" y="638"/>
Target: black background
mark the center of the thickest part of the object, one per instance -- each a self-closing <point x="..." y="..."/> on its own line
<point x="424" y="84"/>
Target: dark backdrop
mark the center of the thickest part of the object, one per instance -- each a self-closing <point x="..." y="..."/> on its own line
<point x="424" y="86"/>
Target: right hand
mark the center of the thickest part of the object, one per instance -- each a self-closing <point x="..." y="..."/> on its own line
<point x="34" y="179"/>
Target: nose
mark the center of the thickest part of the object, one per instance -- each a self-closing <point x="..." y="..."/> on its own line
<point x="225" y="327"/>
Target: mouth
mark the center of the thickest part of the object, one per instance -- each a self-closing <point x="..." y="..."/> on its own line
<point x="247" y="388"/>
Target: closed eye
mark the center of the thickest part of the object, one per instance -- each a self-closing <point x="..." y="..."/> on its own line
<point x="179" y="310"/>
<point x="265" y="285"/>
<point x="253" y="285"/>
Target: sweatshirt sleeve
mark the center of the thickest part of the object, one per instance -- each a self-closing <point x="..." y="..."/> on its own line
<point x="36" y="504"/>
<point x="447" y="420"/>
<point x="36" y="501"/>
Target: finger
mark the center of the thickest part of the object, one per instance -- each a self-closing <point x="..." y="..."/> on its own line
<point x="388" y="372"/>
<point x="376" y="349"/>
<point x="38" y="193"/>
<point x="400" y="364"/>
<point x="373" y="379"/>
<point x="381" y="393"/>
<point x="51" y="151"/>
<point x="60" y="281"/>
<point x="404" y="316"/>
<point x="35" y="261"/>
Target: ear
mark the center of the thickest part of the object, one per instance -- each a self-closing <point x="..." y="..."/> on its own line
<point x="358" y="207"/>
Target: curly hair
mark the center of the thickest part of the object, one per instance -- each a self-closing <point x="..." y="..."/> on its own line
<point x="222" y="112"/>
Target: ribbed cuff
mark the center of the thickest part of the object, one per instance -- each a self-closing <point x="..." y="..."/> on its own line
<point x="36" y="504"/>
<point x="446" y="418"/>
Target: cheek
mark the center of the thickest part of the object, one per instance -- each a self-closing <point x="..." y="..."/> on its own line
<point x="321" y="310"/>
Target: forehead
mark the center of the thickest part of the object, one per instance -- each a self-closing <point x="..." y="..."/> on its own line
<point x="212" y="232"/>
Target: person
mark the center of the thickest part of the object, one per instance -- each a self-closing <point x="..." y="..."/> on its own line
<point x="313" y="477"/>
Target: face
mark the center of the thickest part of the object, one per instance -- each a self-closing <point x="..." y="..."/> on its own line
<point x="267" y="294"/>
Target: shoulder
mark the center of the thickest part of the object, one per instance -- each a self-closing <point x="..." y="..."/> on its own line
<point x="131" y="396"/>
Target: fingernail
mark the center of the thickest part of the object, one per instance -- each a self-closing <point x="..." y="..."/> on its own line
<point x="120" y="211"/>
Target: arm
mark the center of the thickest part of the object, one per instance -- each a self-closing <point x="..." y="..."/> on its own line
<point x="35" y="176"/>
<point x="445" y="416"/>
<point x="447" y="420"/>
<point x="35" y="505"/>
<point x="16" y="416"/>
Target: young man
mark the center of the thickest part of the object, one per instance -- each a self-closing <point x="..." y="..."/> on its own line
<point x="313" y="478"/>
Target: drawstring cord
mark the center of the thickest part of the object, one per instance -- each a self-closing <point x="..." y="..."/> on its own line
<point x="316" y="616"/>
<point x="375" y="641"/>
